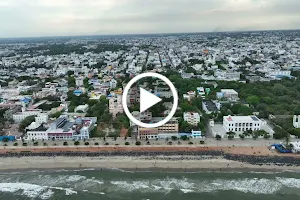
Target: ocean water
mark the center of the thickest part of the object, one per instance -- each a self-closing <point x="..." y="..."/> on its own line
<point x="116" y="184"/>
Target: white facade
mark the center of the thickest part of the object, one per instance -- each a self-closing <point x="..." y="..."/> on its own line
<point x="113" y="83"/>
<point x="280" y="73"/>
<point x="20" y="116"/>
<point x="79" y="81"/>
<point x="42" y="118"/>
<point x="230" y="94"/>
<point x="37" y="135"/>
<point x="239" y="124"/>
<point x="296" y="121"/>
<point x="191" y="118"/>
<point x="201" y="91"/>
<point x="82" y="108"/>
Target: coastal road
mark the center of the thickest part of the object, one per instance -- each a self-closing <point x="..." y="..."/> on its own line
<point x="209" y="142"/>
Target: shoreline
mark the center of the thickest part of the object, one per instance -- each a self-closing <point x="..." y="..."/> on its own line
<point x="149" y="158"/>
<point x="132" y="164"/>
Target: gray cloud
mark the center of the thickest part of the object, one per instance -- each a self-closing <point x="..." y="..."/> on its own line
<point x="77" y="17"/>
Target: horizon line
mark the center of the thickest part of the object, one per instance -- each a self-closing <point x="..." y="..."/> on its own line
<point x="133" y="34"/>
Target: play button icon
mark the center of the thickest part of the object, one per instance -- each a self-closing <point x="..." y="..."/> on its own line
<point x="147" y="100"/>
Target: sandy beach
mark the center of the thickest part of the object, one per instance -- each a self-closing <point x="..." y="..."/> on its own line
<point x="128" y="163"/>
<point x="131" y="161"/>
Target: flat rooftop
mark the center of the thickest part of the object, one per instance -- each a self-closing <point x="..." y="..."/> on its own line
<point x="242" y="118"/>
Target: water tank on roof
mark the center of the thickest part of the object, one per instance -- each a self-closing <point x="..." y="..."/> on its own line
<point x="78" y="120"/>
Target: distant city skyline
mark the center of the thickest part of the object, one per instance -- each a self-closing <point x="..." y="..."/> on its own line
<point x="40" y="18"/>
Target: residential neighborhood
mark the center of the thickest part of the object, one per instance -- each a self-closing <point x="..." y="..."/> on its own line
<point x="75" y="93"/>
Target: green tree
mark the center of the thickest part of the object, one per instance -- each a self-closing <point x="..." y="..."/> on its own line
<point x="71" y="82"/>
<point x="26" y="122"/>
<point x="253" y="100"/>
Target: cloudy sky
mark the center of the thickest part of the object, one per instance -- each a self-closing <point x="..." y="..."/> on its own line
<point x="24" y="18"/>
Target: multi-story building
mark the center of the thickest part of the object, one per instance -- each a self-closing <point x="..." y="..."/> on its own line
<point x="133" y="96"/>
<point x="145" y="117"/>
<point x="229" y="94"/>
<point x="167" y="130"/>
<point x="36" y="131"/>
<point x="239" y="124"/>
<point x="209" y="106"/>
<point x="40" y="115"/>
<point x="115" y="105"/>
<point x="191" y="118"/>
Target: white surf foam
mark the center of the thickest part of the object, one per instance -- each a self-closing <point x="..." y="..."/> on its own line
<point x="75" y="178"/>
<point x="47" y="195"/>
<point x="256" y="186"/>
<point x="68" y="191"/>
<point x="131" y="186"/>
<point x="289" y="182"/>
<point x="186" y="190"/>
<point x="26" y="189"/>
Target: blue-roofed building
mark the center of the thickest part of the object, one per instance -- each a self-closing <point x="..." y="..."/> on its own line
<point x="26" y="100"/>
<point x="77" y="92"/>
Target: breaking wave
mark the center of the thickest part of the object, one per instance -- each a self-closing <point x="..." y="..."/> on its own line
<point x="45" y="186"/>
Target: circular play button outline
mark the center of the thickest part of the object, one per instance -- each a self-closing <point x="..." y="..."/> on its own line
<point x="144" y="75"/>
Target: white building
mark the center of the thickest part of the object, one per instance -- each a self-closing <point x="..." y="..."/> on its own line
<point x="280" y="73"/>
<point x="296" y="121"/>
<point x="189" y="95"/>
<point x="81" y="108"/>
<point x="36" y="135"/>
<point x="113" y="83"/>
<point x="239" y="124"/>
<point x="201" y="91"/>
<point x="79" y="81"/>
<point x="230" y="94"/>
<point x="191" y="118"/>
<point x="36" y="131"/>
<point x="20" y="116"/>
<point x="42" y="118"/>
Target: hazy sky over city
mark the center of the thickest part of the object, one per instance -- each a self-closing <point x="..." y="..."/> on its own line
<point x="23" y="18"/>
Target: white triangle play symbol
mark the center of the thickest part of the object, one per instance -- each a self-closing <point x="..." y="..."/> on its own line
<point x="147" y="100"/>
